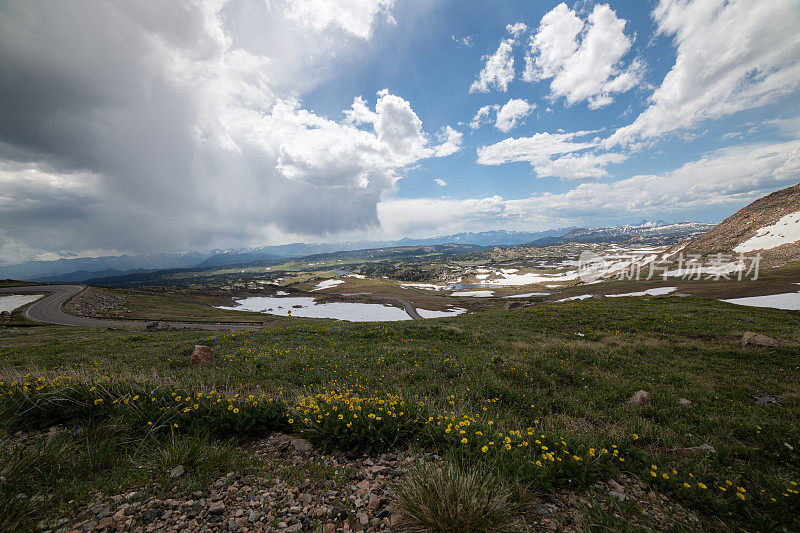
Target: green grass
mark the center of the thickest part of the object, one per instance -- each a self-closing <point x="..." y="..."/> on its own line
<point x="47" y="476"/>
<point x="523" y="371"/>
<point x="178" y="307"/>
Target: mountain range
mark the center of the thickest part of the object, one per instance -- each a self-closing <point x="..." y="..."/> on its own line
<point x="84" y="268"/>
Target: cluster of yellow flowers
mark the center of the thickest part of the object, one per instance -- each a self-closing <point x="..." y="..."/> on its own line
<point x="727" y="486"/>
<point x="28" y="382"/>
<point x="347" y="406"/>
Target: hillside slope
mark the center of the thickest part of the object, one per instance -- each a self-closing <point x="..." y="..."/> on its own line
<point x="770" y="226"/>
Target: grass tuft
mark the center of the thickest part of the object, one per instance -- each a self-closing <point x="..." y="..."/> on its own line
<point x="451" y="498"/>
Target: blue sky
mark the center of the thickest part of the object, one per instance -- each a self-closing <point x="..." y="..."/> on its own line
<point x="432" y="66"/>
<point x="137" y="126"/>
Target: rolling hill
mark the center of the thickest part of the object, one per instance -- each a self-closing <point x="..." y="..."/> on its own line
<point x="769" y="225"/>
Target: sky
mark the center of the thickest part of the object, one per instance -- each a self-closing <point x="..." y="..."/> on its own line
<point x="135" y="126"/>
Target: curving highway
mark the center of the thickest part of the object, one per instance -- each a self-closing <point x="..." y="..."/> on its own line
<point x="50" y="311"/>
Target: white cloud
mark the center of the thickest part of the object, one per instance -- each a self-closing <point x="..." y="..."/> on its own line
<point x="578" y="167"/>
<point x="736" y="174"/>
<point x="465" y="41"/>
<point x="788" y="126"/>
<point x="429" y="216"/>
<point x="450" y="140"/>
<point x="551" y="154"/>
<point x="584" y="59"/>
<point x="482" y="116"/>
<point x="512" y="114"/>
<point x="497" y="71"/>
<point x="440" y="182"/>
<point x="516" y="29"/>
<point x="731" y="56"/>
<point x="323" y="153"/>
<point x="731" y="176"/>
<point x="530" y="148"/>
<point x="355" y="17"/>
<point x="507" y="117"/>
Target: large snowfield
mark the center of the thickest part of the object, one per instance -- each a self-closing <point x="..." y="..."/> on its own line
<point x="784" y="231"/>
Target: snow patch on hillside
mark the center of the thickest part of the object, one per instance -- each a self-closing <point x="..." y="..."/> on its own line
<point x="784" y="231"/>
<point x="476" y="294"/>
<point x="327" y="284"/>
<point x="658" y="291"/>
<point x="790" y="300"/>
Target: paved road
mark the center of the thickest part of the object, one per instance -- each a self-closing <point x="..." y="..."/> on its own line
<point x="407" y="306"/>
<point x="50" y="311"/>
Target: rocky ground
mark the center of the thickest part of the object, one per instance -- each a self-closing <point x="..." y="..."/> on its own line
<point x="93" y="302"/>
<point x="608" y="505"/>
<point x="302" y="489"/>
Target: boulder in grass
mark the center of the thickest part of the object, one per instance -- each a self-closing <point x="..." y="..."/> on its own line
<point x="757" y="339"/>
<point x="202" y="355"/>
<point x="640" y="397"/>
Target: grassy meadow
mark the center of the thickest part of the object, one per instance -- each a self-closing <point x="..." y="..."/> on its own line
<point x="534" y="397"/>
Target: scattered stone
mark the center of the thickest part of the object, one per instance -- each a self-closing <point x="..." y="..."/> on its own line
<point x="616" y="486"/>
<point x="694" y="450"/>
<point x="216" y="508"/>
<point x="202" y="355"/>
<point x="751" y="338"/>
<point x="177" y="472"/>
<point x="766" y="399"/>
<point x="355" y="497"/>
<point x="640" y="397"/>
<point x="265" y="501"/>
<point x="94" y="302"/>
<point x="103" y="512"/>
<point x="301" y="445"/>
<point x="617" y="495"/>
<point x="565" y="509"/>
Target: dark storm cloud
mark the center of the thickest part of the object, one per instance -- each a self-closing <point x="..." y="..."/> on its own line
<point x="143" y="125"/>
